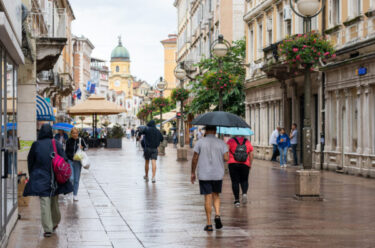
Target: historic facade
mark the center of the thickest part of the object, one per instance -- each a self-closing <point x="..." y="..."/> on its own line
<point x="170" y="47"/>
<point x="342" y="92"/>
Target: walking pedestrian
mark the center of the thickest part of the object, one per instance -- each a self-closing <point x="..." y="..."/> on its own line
<point x="42" y="181"/>
<point x="273" y="142"/>
<point x="128" y="133"/>
<point x="240" y="161"/>
<point x="61" y="137"/>
<point x="152" y="139"/>
<point x="72" y="145"/>
<point x="293" y="142"/>
<point x="191" y="139"/>
<point x="132" y="133"/>
<point x="199" y="134"/>
<point x="210" y="154"/>
<point x="175" y="139"/>
<point x="283" y="143"/>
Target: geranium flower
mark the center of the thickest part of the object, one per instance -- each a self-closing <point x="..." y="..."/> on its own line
<point x="295" y="49"/>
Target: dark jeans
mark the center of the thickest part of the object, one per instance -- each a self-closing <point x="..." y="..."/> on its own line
<point x="239" y="174"/>
<point x="275" y="152"/>
<point x="294" y="151"/>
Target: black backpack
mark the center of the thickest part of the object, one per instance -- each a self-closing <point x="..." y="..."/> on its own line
<point x="240" y="154"/>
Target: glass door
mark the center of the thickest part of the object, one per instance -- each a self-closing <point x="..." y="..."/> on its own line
<point x="8" y="141"/>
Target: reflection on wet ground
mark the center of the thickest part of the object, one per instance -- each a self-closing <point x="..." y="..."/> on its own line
<point x="117" y="208"/>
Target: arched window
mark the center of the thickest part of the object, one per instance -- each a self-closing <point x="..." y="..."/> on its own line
<point x="117" y="68"/>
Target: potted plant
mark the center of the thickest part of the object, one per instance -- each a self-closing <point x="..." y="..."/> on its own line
<point x="115" y="136"/>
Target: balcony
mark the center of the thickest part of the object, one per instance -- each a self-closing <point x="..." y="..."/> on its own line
<point x="49" y="31"/>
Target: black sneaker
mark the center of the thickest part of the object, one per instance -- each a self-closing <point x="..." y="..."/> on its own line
<point x="47" y="234"/>
<point x="237" y="203"/>
<point x="218" y="223"/>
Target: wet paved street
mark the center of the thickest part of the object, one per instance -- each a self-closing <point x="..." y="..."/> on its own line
<point x="117" y="208"/>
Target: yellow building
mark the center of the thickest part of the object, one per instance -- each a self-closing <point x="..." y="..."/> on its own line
<point x="120" y="78"/>
<point x="170" y="47"/>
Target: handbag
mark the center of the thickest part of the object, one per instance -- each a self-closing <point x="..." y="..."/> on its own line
<point x="81" y="156"/>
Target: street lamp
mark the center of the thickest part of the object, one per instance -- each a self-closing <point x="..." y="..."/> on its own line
<point x="180" y="74"/>
<point x="161" y="85"/>
<point x="220" y="48"/>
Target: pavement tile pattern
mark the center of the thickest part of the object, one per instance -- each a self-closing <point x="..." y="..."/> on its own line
<point x="117" y="209"/>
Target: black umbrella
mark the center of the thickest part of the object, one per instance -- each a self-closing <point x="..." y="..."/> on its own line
<point x="219" y="118"/>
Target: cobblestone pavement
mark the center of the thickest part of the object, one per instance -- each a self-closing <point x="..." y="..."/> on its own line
<point x="117" y="208"/>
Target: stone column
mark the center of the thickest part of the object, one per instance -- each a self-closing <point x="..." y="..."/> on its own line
<point x="263" y="121"/>
<point x="328" y="116"/>
<point x="247" y="113"/>
<point x="348" y="132"/>
<point x="294" y="103"/>
<point x="366" y="124"/>
<point x="338" y="117"/>
<point x="359" y="119"/>
<point x="284" y="104"/>
<point x="26" y="110"/>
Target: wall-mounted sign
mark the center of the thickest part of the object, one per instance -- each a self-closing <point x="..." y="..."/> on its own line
<point x="361" y="71"/>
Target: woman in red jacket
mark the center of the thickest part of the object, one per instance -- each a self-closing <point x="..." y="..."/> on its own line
<point x="239" y="170"/>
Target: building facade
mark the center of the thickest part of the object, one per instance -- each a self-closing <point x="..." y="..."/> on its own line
<point x="99" y="76"/>
<point x="275" y="96"/>
<point x="82" y="49"/>
<point x="170" y="48"/>
<point x="201" y="21"/>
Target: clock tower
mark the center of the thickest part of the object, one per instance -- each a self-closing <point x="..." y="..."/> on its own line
<point x="120" y="79"/>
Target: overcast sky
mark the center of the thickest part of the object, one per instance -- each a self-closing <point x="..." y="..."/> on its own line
<point x="141" y="23"/>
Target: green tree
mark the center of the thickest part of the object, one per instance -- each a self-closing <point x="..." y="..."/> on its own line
<point x="204" y="91"/>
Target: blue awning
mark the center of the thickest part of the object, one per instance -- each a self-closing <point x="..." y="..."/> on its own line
<point x="44" y="110"/>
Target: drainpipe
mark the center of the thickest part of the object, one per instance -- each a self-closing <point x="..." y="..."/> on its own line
<point x="323" y="113"/>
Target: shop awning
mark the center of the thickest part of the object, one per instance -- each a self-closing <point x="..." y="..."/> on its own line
<point x="44" y="110"/>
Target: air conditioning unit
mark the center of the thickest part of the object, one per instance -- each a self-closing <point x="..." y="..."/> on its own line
<point x="269" y="24"/>
<point x="287" y="13"/>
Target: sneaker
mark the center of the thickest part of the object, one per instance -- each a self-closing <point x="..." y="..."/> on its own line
<point x="237" y="203"/>
<point x="75" y="198"/>
<point x="145" y="178"/>
<point x="244" y="198"/>
<point x="153" y="180"/>
<point x="285" y="165"/>
<point x="47" y="234"/>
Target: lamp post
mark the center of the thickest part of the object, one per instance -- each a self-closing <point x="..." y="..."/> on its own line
<point x="307" y="9"/>
<point x="308" y="180"/>
<point x="220" y="48"/>
<point x="151" y="94"/>
<point x="161" y="85"/>
<point x="180" y="74"/>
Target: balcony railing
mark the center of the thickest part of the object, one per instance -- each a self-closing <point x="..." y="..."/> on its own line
<point x="48" y="24"/>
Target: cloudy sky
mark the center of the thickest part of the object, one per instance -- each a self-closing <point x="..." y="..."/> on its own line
<point x="141" y="23"/>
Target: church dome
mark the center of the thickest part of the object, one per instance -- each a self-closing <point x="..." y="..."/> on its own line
<point x="120" y="52"/>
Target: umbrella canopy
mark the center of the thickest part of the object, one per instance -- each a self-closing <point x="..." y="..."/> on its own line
<point x="63" y="126"/>
<point x="192" y="129"/>
<point x="10" y="126"/>
<point x="235" y="131"/>
<point x="96" y="105"/>
<point x="219" y="118"/>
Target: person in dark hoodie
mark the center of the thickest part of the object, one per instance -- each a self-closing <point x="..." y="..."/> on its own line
<point x="152" y="139"/>
<point x="42" y="183"/>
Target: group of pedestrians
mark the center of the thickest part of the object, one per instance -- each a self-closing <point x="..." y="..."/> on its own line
<point x="281" y="142"/>
<point x="210" y="156"/>
<point x="42" y="182"/>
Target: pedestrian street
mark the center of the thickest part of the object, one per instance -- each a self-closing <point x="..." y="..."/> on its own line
<point x="117" y="208"/>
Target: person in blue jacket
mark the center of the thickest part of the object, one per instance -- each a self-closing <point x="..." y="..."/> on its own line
<point x="283" y="143"/>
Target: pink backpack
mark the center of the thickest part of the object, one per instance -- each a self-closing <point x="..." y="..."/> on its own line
<point x="61" y="168"/>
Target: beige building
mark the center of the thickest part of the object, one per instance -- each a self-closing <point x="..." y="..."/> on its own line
<point x="341" y="98"/>
<point x="201" y="21"/>
<point x="170" y="48"/>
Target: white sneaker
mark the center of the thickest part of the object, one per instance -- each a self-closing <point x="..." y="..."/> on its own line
<point x="244" y="198"/>
<point x="145" y="178"/>
<point x="153" y="180"/>
<point x="75" y="198"/>
<point x="284" y="165"/>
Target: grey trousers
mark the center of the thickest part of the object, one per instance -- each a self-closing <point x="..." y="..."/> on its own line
<point x="50" y="212"/>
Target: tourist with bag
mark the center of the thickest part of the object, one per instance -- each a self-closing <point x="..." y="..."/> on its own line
<point x="240" y="161"/>
<point x="74" y="148"/>
<point x="43" y="182"/>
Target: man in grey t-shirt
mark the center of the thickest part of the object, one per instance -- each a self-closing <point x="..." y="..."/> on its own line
<point x="293" y="142"/>
<point x="210" y="154"/>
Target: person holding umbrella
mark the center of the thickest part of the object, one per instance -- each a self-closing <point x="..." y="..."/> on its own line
<point x="210" y="154"/>
<point x="61" y="137"/>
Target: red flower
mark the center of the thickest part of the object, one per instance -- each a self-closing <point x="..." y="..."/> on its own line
<point x="298" y="57"/>
<point x="295" y="49"/>
<point x="333" y="56"/>
<point x="326" y="53"/>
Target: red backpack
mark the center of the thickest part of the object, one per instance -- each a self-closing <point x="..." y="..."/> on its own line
<point x="61" y="168"/>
